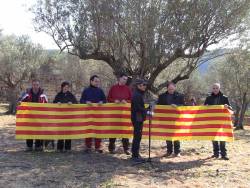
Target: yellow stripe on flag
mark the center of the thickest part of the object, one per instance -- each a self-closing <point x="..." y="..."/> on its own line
<point x="61" y="121"/>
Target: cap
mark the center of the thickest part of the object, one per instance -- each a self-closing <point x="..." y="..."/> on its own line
<point x="140" y="81"/>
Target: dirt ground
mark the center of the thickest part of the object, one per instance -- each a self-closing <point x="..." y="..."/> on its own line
<point x="77" y="169"/>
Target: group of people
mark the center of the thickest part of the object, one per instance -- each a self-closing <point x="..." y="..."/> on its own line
<point x="121" y="93"/>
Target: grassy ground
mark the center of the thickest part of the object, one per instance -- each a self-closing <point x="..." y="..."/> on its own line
<point x="76" y="169"/>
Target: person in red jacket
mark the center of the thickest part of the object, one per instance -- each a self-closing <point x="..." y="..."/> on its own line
<point x="36" y="95"/>
<point x="120" y="93"/>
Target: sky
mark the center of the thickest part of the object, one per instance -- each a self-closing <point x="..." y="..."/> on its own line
<point x="16" y="19"/>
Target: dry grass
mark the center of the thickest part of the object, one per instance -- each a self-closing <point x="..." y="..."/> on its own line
<point x="76" y="169"/>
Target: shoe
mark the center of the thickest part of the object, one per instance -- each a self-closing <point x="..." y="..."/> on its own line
<point x="138" y="159"/>
<point x="112" y="151"/>
<point x="168" y="154"/>
<point x="127" y="152"/>
<point x="177" y="155"/>
<point x="215" y="156"/>
<point x="98" y="151"/>
<point x="39" y="149"/>
<point x="225" y="158"/>
<point x="88" y="150"/>
<point x="60" y="150"/>
<point x="28" y="149"/>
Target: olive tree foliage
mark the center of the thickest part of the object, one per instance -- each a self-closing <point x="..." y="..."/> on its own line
<point x="140" y="37"/>
<point x="233" y="72"/>
<point x="19" y="57"/>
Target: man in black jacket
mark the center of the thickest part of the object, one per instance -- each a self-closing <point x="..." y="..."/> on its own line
<point x="64" y="96"/>
<point x="138" y="116"/>
<point x="217" y="98"/>
<point x="171" y="97"/>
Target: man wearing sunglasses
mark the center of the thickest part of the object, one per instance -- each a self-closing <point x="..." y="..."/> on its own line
<point x="138" y="116"/>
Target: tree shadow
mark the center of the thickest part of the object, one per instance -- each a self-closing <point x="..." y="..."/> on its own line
<point x="52" y="169"/>
<point x="3" y="109"/>
<point x="242" y="134"/>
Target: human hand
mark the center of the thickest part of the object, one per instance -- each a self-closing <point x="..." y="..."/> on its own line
<point x="117" y="101"/>
<point x="88" y="103"/>
<point x="174" y="105"/>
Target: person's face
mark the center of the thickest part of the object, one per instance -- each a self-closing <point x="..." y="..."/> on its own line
<point x="35" y="86"/>
<point x="142" y="87"/>
<point x="171" y="88"/>
<point x="215" y="89"/>
<point x="95" y="82"/>
<point x="123" y="80"/>
<point x="65" y="89"/>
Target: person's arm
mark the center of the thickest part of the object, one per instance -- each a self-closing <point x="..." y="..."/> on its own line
<point x="227" y="104"/>
<point x="56" y="100"/>
<point x="206" y="101"/>
<point x="74" y="101"/>
<point x="83" y="97"/>
<point x="43" y="98"/>
<point x="138" y="104"/>
<point x="103" y="97"/>
<point x="182" y="101"/>
<point x="129" y="95"/>
<point x="159" y="101"/>
<point x="110" y="97"/>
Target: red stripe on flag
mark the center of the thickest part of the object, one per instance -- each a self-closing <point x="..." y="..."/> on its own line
<point x="210" y="126"/>
<point x="189" y="134"/>
<point x="168" y="111"/>
<point x="192" y="119"/>
<point x="21" y="132"/>
<point x="43" y="116"/>
<point x="73" y="124"/>
<point x="87" y="108"/>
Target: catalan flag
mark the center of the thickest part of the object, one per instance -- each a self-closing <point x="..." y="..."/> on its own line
<point x="76" y="121"/>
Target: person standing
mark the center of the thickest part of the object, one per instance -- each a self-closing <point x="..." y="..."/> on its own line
<point x="138" y="116"/>
<point x="120" y="93"/>
<point x="93" y="94"/>
<point x="217" y="98"/>
<point x="173" y="98"/>
<point x="35" y="95"/>
<point x="64" y="96"/>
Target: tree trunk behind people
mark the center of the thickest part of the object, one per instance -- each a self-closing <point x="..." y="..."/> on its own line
<point x="236" y="116"/>
<point x="12" y="96"/>
<point x="242" y="112"/>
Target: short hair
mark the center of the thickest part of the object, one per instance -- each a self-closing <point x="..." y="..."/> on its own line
<point x="123" y="74"/>
<point x="170" y="83"/>
<point x="93" y="77"/>
<point x="35" y="80"/>
<point x="217" y="84"/>
<point x="65" y="83"/>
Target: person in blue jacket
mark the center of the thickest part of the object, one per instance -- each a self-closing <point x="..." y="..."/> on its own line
<point x="93" y="94"/>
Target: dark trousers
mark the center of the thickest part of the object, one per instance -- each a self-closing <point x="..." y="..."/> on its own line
<point x="88" y="142"/>
<point x="38" y="143"/>
<point x="48" y="142"/>
<point x="125" y="144"/>
<point x="64" y="144"/>
<point x="138" y="126"/>
<point x="173" y="145"/>
<point x="219" y="148"/>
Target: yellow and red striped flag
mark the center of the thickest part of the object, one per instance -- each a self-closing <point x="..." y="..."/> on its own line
<point x="75" y="121"/>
